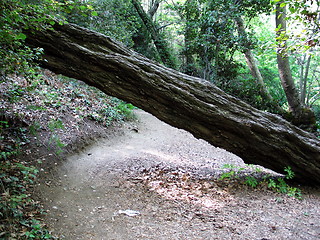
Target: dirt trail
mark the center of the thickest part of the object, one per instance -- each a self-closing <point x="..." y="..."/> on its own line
<point x="166" y="176"/>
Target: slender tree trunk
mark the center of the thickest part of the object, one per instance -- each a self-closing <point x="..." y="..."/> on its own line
<point x="153" y="8"/>
<point x="301" y="62"/>
<point x="159" y="41"/>
<point x="284" y="65"/>
<point x="183" y="101"/>
<point x="303" y="83"/>
<point x="207" y="70"/>
<point x="190" y="31"/>
<point x="254" y="70"/>
<point x="314" y="98"/>
<point x="301" y="115"/>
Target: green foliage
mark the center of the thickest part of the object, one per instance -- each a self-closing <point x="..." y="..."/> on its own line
<point x="126" y="110"/>
<point x="316" y="109"/>
<point x="114" y="18"/>
<point x="232" y="173"/>
<point x="110" y="113"/>
<point x="34" y="128"/>
<point x="281" y="186"/>
<point x="214" y="47"/>
<point x="19" y="16"/>
<point x="215" y="40"/>
<point x="117" y="19"/>
<point x="276" y="184"/>
<point x="289" y="173"/>
<point x="303" y="21"/>
<point x="19" y="213"/>
<point x="251" y="181"/>
<point x="15" y="93"/>
<point x="79" y="12"/>
<point x="244" y="87"/>
<point x="55" y="140"/>
<point x="53" y="125"/>
<point x="211" y="35"/>
<point x="58" y="95"/>
<point x="11" y="137"/>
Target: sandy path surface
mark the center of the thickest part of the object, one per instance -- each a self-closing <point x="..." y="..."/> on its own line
<point x="166" y="177"/>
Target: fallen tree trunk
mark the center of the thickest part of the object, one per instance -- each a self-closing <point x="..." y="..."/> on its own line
<point x="182" y="101"/>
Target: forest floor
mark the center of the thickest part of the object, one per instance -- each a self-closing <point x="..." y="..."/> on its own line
<point x="148" y="180"/>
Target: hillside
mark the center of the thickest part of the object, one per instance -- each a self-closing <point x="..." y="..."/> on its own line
<point x="41" y="122"/>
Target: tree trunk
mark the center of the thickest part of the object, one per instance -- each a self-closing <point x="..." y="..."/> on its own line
<point x="159" y="42"/>
<point x="191" y="13"/>
<point x="301" y="116"/>
<point x="153" y="8"/>
<point x="254" y="70"/>
<point x="284" y="65"/>
<point x="304" y="78"/>
<point x="183" y="101"/>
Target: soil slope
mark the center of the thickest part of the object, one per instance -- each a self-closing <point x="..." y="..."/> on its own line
<point x="167" y="179"/>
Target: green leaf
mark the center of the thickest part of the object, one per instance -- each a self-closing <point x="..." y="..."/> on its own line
<point x="283" y="5"/>
<point x="21" y="36"/>
<point x="94" y="13"/>
<point x="292" y="10"/>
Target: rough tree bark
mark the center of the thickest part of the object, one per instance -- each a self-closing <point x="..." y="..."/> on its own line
<point x="183" y="101"/>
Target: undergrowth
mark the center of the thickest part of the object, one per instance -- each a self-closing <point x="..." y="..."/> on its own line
<point x="277" y="184"/>
<point x="50" y="94"/>
<point x="27" y="108"/>
<point x="20" y="215"/>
